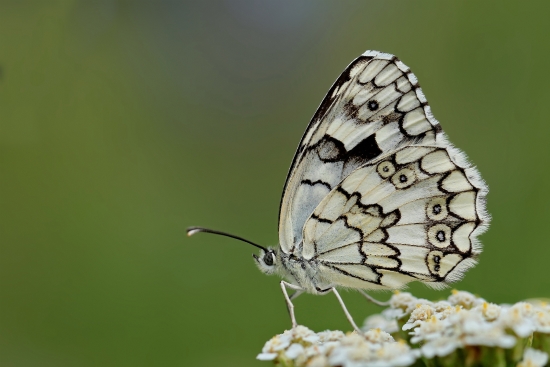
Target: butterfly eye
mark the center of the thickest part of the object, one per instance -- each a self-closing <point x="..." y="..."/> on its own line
<point x="268" y="258"/>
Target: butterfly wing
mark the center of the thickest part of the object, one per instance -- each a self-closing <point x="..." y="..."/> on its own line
<point x="412" y="215"/>
<point x="374" y="107"/>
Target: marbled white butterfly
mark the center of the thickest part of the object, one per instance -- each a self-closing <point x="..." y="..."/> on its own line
<point x="376" y="196"/>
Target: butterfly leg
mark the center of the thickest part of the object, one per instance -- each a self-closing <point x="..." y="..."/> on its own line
<point x="295" y="295"/>
<point x="373" y="300"/>
<point x="288" y="299"/>
<point x="348" y="315"/>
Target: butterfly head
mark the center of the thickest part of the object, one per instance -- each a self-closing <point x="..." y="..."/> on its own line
<point x="267" y="260"/>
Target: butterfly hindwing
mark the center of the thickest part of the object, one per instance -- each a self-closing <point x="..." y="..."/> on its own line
<point x="373" y="108"/>
<point x="413" y="214"/>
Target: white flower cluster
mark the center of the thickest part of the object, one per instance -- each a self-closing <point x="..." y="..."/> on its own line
<point x="463" y="329"/>
<point x="303" y="347"/>
<point x="465" y="320"/>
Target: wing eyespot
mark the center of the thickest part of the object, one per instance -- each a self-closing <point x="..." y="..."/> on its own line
<point x="441" y="264"/>
<point x="404" y="178"/>
<point x="436" y="209"/>
<point x="439" y="235"/>
<point x="385" y="169"/>
<point x="372" y="105"/>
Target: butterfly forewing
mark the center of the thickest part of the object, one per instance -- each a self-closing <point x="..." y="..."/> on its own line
<point x="376" y="194"/>
<point x="374" y="107"/>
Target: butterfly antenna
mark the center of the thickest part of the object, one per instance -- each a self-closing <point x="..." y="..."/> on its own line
<point x="192" y="230"/>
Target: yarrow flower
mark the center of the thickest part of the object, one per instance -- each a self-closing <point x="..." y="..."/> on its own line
<point x="520" y="318"/>
<point x="533" y="358"/>
<point x="334" y="348"/>
<point x="464" y="299"/>
<point x="274" y="346"/>
<point x="420" y="314"/>
<point x="381" y="322"/>
<point x="463" y="328"/>
<point x="490" y="311"/>
<point x="357" y="351"/>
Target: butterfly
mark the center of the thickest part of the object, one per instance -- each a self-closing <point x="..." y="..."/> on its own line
<point x="376" y="196"/>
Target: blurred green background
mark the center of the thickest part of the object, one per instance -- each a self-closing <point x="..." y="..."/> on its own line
<point x="123" y="122"/>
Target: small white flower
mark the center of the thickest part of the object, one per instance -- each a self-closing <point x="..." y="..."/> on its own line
<point x="381" y="322"/>
<point x="441" y="347"/>
<point x="395" y="354"/>
<point x="294" y="351"/>
<point x="317" y="349"/>
<point x="533" y="358"/>
<point x="356" y="351"/>
<point x="301" y="332"/>
<point x="401" y="300"/>
<point x="349" y="356"/>
<point x="490" y="311"/>
<point x="393" y="313"/>
<point x="277" y="343"/>
<point x="526" y="308"/>
<point x="359" y="354"/>
<point x="281" y="342"/>
<point x="311" y="338"/>
<point x="518" y="318"/>
<point x="471" y="321"/>
<point x="267" y="356"/>
<point x="318" y="361"/>
<point x="429" y="329"/>
<point x="354" y="339"/>
<point x="422" y="312"/>
<point x="326" y="348"/>
<point x="378" y="336"/>
<point x="330" y="335"/>
<point x="490" y="335"/>
<point x="448" y="312"/>
<point x="464" y="299"/>
<point x="542" y="321"/>
<point x="272" y="347"/>
<point x="419" y="301"/>
<point x="441" y="306"/>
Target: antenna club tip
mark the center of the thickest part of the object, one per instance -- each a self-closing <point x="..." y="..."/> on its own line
<point x="192" y="230"/>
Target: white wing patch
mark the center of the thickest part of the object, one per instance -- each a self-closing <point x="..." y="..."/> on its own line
<point x="411" y="215"/>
